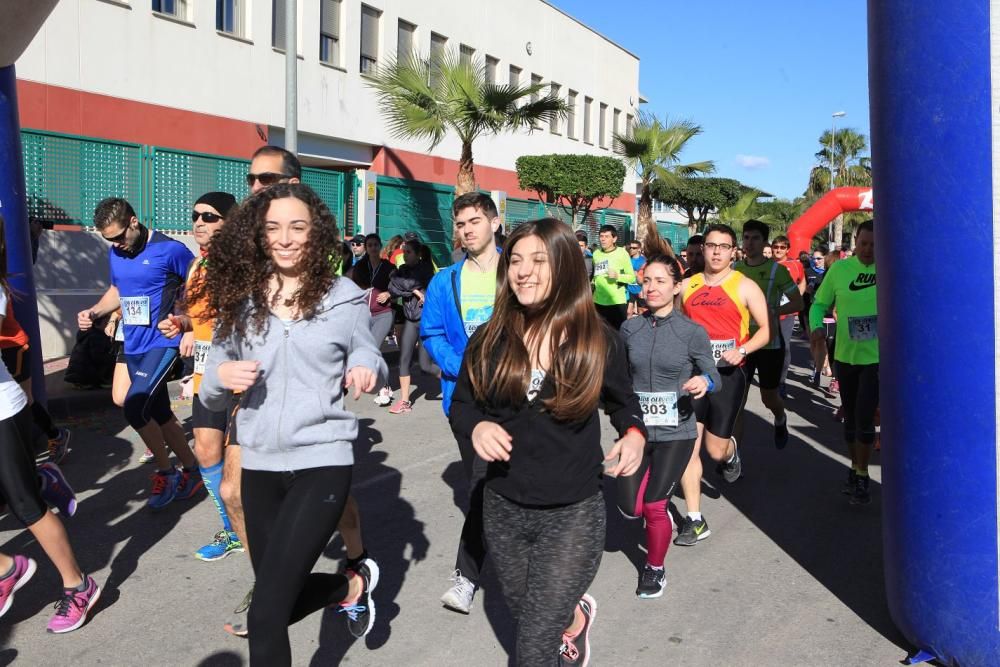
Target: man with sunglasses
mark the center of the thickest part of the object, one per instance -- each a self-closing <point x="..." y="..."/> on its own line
<point x="147" y="272"/>
<point x="271" y="165"/>
<point x="634" y="290"/>
<point x="779" y="252"/>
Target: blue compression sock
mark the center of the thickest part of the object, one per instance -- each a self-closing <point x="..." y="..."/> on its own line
<point x="212" y="476"/>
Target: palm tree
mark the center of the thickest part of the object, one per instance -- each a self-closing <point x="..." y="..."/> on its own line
<point x="653" y="148"/>
<point x="842" y="155"/>
<point x="425" y="98"/>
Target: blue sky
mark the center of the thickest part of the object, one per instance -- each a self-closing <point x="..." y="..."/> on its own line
<point x="762" y="78"/>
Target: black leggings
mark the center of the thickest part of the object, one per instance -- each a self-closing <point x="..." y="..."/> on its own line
<point x="18" y="362"/>
<point x="18" y="480"/>
<point x="859" y="396"/>
<point x="408" y="342"/>
<point x="290" y="518"/>
<point x="545" y="558"/>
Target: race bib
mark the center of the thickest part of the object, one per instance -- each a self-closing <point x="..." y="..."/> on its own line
<point x="119" y="332"/>
<point x="135" y="310"/>
<point x="601" y="268"/>
<point x="863" y="328"/>
<point x="201" y="349"/>
<point x="784" y="299"/>
<point x="720" y="346"/>
<point x="658" y="408"/>
<point x="535" y="385"/>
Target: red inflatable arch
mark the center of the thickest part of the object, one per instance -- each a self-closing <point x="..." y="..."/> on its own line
<point x="819" y="215"/>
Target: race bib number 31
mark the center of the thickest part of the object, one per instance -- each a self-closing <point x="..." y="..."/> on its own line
<point x="135" y="310"/>
<point x="720" y="346"/>
<point x="201" y="349"/>
<point x="863" y="328"/>
<point x="658" y="408"/>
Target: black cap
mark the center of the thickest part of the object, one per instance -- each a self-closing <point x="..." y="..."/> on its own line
<point x="358" y="239"/>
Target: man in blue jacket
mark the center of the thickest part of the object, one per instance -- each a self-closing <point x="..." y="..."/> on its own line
<point x="459" y="299"/>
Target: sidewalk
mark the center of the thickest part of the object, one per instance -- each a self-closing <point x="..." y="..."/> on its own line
<point x="792" y="574"/>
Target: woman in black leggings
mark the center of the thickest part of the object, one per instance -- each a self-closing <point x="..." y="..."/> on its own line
<point x="294" y="339"/>
<point x="527" y="398"/>
<point x="409" y="282"/>
<point x="664" y="349"/>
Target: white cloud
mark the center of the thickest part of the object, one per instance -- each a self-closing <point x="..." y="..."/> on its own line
<point x="753" y="161"/>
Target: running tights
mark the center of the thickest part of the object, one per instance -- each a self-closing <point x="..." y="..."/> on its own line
<point x="407" y="344"/>
<point x="147" y="395"/>
<point x="18" y="480"/>
<point x="546" y="558"/>
<point x="859" y="396"/>
<point x="290" y="518"/>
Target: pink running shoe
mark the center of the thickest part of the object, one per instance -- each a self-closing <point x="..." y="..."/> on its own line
<point x="401" y="407"/>
<point x="24" y="569"/>
<point x="72" y="609"/>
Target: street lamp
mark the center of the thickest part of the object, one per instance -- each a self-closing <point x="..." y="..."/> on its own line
<point x="833" y="139"/>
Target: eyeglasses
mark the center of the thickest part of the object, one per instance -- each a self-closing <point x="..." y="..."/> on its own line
<point x="206" y="216"/>
<point x="635" y="247"/>
<point x="718" y="246"/>
<point x="267" y="179"/>
<point x="118" y="238"/>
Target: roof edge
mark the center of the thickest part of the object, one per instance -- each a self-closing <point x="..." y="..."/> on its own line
<point x="578" y="21"/>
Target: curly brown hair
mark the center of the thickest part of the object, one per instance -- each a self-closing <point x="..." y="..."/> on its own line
<point x="235" y="288"/>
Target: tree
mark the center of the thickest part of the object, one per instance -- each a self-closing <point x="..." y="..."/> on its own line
<point x="841" y="157"/>
<point x="652" y="148"/>
<point x="697" y="197"/>
<point x="572" y="181"/>
<point x="428" y="98"/>
<point x="778" y="214"/>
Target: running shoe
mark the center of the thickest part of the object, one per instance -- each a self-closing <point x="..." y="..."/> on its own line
<point x="862" y="495"/>
<point x="576" y="650"/>
<point x="361" y="612"/>
<point x="651" y="582"/>
<point x="732" y="469"/>
<point x="56" y="491"/>
<point x="165" y="483"/>
<point x="147" y="456"/>
<point x="237" y="629"/>
<point x="691" y="532"/>
<point x="73" y="607"/>
<point x="190" y="483"/>
<point x="401" y="407"/>
<point x="817" y="374"/>
<point x="59" y="446"/>
<point x="24" y="569"/>
<point x="223" y="544"/>
<point x="834" y="387"/>
<point x="460" y="596"/>
<point x="849" y="483"/>
<point x="384" y="397"/>
<point x="781" y="434"/>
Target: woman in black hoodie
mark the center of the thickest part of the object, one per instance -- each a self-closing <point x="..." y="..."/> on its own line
<point x="409" y="282"/>
<point x="527" y="397"/>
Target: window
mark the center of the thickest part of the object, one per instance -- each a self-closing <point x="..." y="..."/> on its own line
<point x="369" y="39"/>
<point x="602" y="126"/>
<point x="278" y="24"/>
<point x="571" y="114"/>
<point x="230" y="17"/>
<point x="536" y="80"/>
<point x="438" y="44"/>
<point x="491" y="69"/>
<point x="629" y="121"/>
<point x="616" y="121"/>
<point x="554" y="121"/>
<point x="465" y="54"/>
<point x="176" y="8"/>
<point x="515" y="77"/>
<point x="329" y="31"/>
<point x="405" y="38"/>
<point x="587" y="104"/>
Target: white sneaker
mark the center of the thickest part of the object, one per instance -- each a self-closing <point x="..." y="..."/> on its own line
<point x="384" y="397"/>
<point x="459" y="597"/>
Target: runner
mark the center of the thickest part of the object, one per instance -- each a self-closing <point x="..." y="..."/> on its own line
<point x="849" y="286"/>
<point x="634" y="291"/>
<point x="371" y="273"/>
<point x="817" y="349"/>
<point x="409" y="282"/>
<point x="459" y="300"/>
<point x="210" y="211"/>
<point x="724" y="302"/>
<point x="695" y="255"/>
<point x="612" y="273"/>
<point x="664" y="349"/>
<point x="588" y="257"/>
<point x="294" y="339"/>
<point x="783" y="298"/>
<point x="147" y="272"/>
<point x="779" y="248"/>
<point x="527" y="400"/>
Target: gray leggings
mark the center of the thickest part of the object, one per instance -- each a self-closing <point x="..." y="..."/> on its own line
<point x="381" y="326"/>
<point x="407" y="343"/>
<point x="545" y="558"/>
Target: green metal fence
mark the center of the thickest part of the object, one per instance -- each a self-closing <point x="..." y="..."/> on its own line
<point x="403" y="205"/>
<point x="676" y="232"/>
<point x="329" y="185"/>
<point x="180" y="177"/>
<point x="522" y="210"/>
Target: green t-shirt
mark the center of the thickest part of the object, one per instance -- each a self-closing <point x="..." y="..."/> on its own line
<point x="849" y="286"/>
<point x="477" y="297"/>
<point x="777" y="285"/>
<point x="608" y="292"/>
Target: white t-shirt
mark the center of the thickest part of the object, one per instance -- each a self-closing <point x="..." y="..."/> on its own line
<point x="12" y="399"/>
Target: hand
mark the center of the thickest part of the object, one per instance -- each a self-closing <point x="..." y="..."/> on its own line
<point x="361" y="378"/>
<point x="628" y="450"/>
<point x="818" y="335"/>
<point x="383" y="297"/>
<point x="171" y="327"/>
<point x="239" y="375"/>
<point x="420" y="295"/>
<point x="187" y="344"/>
<point x="85" y="320"/>
<point x="109" y="328"/>
<point x="733" y="357"/>
<point x="696" y="386"/>
<point x="612" y="274"/>
<point x="491" y="441"/>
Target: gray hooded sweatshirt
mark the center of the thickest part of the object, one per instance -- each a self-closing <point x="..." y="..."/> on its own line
<point x="294" y="417"/>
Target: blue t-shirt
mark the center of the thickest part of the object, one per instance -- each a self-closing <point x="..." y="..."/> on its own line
<point x="148" y="284"/>
<point x="637" y="263"/>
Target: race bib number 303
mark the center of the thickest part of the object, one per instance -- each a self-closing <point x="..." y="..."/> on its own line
<point x="201" y="349"/>
<point x="863" y="328"/>
<point x="135" y="310"/>
<point x="658" y="408"/>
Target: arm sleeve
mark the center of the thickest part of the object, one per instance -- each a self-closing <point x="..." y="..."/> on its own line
<point x="364" y="351"/>
<point x="211" y="393"/>
<point x="823" y="299"/>
<point x="784" y="281"/>
<point x="700" y="352"/>
<point x="433" y="331"/>
<point x="620" y="402"/>
<point x="627" y="275"/>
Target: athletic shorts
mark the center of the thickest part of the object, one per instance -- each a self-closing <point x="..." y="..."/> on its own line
<point x="718" y="411"/>
<point x="767" y="364"/>
<point x="202" y="417"/>
<point x="119" y="352"/>
<point x="18" y="362"/>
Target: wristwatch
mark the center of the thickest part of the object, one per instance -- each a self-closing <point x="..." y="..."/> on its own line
<point x="742" y="351"/>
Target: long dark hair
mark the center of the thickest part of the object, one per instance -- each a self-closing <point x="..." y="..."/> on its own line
<point x="240" y="264"/>
<point x="578" y="340"/>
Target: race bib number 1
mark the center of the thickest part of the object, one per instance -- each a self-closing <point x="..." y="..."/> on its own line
<point x="201" y="349"/>
<point x="720" y="346"/>
<point x="658" y="408"/>
<point x="863" y="328"/>
<point x="135" y="310"/>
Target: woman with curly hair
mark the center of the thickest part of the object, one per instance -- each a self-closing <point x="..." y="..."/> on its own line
<point x="293" y="338"/>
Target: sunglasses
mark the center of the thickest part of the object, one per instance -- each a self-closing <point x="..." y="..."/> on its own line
<point x="357" y="243"/>
<point x="118" y="238"/>
<point x="779" y="247"/>
<point x="206" y="216"/>
<point x="267" y="179"/>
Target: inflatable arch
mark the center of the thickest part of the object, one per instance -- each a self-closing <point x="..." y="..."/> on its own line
<point x="828" y="207"/>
